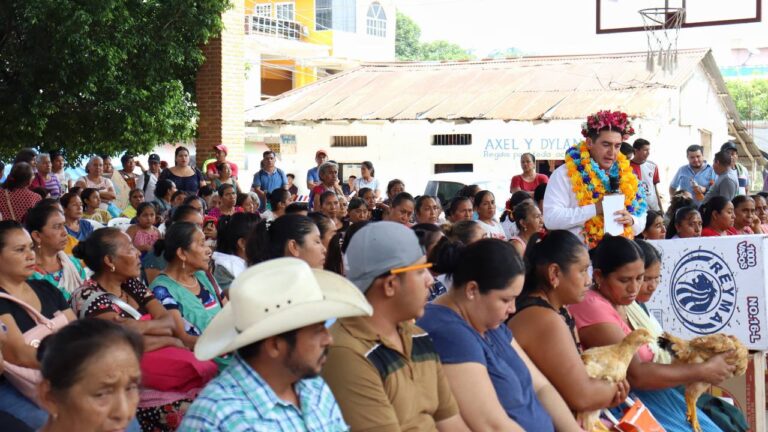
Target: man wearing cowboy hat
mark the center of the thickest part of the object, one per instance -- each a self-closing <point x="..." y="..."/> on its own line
<point x="383" y="370"/>
<point x="281" y="342"/>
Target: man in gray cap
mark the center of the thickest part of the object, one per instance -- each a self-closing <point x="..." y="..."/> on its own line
<point x="383" y="370"/>
<point x="742" y="174"/>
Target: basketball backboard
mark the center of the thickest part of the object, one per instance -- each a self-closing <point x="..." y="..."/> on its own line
<point x="616" y="16"/>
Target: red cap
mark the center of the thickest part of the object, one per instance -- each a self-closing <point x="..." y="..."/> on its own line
<point x="223" y="148"/>
<point x="321" y="151"/>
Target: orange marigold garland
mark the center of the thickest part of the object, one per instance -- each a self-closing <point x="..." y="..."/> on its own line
<point x="590" y="184"/>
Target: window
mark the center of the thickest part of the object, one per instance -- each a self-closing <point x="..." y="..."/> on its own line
<point x="452" y="168"/>
<point x="452" y="139"/>
<point x="263" y="10"/>
<point x="323" y="15"/>
<point x="377" y="20"/>
<point x="349" y="141"/>
<point x="285" y="11"/>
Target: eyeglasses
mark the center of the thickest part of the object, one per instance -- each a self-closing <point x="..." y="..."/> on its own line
<point x="399" y="270"/>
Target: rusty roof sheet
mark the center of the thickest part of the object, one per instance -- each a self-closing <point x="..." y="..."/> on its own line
<point x="530" y="88"/>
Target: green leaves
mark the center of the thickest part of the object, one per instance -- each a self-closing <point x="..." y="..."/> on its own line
<point x="408" y="46"/>
<point x="100" y="76"/>
<point x="751" y="98"/>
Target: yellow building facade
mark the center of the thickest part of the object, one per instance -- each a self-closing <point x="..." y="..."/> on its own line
<point x="294" y="43"/>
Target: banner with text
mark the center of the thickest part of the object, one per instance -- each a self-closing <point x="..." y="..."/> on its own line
<point x="713" y="285"/>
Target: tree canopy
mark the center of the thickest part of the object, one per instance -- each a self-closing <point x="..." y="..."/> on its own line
<point x="101" y="76"/>
<point x="751" y="98"/>
<point x="408" y="45"/>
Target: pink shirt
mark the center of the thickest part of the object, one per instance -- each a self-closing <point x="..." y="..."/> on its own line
<point x="595" y="309"/>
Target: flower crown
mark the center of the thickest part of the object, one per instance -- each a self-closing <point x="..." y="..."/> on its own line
<point x="616" y="121"/>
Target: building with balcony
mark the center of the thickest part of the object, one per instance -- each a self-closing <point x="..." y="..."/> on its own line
<point x="290" y="44"/>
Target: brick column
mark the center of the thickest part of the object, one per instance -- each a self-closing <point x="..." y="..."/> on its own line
<point x="221" y="88"/>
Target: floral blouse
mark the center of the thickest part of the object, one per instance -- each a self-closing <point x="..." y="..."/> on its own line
<point x="92" y="300"/>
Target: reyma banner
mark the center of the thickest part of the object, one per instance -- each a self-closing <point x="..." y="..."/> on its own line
<point x="713" y="285"/>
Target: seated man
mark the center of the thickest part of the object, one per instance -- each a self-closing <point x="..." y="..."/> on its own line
<point x="592" y="169"/>
<point x="383" y="370"/>
<point x="272" y="383"/>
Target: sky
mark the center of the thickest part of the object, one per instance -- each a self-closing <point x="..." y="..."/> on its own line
<point x="559" y="26"/>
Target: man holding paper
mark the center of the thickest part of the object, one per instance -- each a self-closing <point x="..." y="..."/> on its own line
<point x="597" y="180"/>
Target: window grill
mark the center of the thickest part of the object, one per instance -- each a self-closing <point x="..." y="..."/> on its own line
<point x="349" y="141"/>
<point x="452" y="139"/>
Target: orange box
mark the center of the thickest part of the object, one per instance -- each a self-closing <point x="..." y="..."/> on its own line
<point x="748" y="391"/>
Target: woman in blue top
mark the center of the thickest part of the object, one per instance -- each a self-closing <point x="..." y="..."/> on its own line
<point x="495" y="384"/>
<point x="76" y="226"/>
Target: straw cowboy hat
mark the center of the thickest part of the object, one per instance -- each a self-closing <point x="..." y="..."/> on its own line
<point x="274" y="297"/>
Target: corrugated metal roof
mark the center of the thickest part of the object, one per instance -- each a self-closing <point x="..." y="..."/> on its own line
<point x="531" y="88"/>
<point x="523" y="89"/>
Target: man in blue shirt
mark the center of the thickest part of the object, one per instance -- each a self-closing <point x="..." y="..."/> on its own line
<point x="313" y="175"/>
<point x="272" y="383"/>
<point x="696" y="177"/>
<point x="268" y="179"/>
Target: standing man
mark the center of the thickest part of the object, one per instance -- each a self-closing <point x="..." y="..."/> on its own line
<point x="647" y="172"/>
<point x="697" y="177"/>
<point x="268" y="179"/>
<point x="272" y="383"/>
<point x="383" y="369"/>
<point x="148" y="181"/>
<point x="313" y="175"/>
<point x="741" y="171"/>
<point x="727" y="184"/>
<point x="574" y="198"/>
<point x="221" y="157"/>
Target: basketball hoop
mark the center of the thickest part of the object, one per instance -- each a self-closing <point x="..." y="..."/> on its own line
<point x="662" y="27"/>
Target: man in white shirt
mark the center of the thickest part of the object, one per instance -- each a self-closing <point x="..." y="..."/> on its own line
<point x="647" y="172"/>
<point x="147" y="181"/>
<point x="604" y="132"/>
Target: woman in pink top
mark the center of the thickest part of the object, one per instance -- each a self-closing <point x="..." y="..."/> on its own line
<point x="529" y="179"/>
<point x="744" y="214"/>
<point x="601" y="318"/>
<point x="15" y="197"/>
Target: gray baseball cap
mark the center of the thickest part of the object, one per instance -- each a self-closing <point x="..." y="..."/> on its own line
<point x="378" y="248"/>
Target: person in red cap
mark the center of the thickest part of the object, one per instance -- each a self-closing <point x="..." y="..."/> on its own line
<point x="313" y="176"/>
<point x="221" y="157"/>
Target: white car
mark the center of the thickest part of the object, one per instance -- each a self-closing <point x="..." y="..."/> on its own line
<point x="446" y="186"/>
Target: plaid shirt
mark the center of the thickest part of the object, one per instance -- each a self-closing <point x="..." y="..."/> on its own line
<point x="239" y="400"/>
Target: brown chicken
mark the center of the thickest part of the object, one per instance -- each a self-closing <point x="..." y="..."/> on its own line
<point x="610" y="363"/>
<point x="699" y="350"/>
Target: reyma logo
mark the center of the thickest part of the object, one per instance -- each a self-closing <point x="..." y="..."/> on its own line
<point x="703" y="292"/>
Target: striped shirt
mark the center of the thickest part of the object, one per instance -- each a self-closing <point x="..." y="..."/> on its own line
<point x="239" y="400"/>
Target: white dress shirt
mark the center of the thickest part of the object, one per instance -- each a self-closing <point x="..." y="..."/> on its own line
<point x="562" y="211"/>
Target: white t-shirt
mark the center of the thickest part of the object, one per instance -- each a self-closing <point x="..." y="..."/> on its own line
<point x="149" y="192"/>
<point x="494" y="231"/>
<point x="373" y="184"/>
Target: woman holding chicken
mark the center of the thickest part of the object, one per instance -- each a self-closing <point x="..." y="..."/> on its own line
<point x="557" y="276"/>
<point x="601" y="319"/>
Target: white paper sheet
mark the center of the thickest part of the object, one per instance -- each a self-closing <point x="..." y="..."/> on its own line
<point x="612" y="204"/>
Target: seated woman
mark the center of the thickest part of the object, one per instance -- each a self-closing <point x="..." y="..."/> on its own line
<point x="77" y="227"/>
<point x="153" y="263"/>
<point x="86" y="358"/>
<point x="226" y="206"/>
<point x="654" y="226"/>
<point x="45" y="224"/>
<point x="558" y="276"/>
<point x="183" y="287"/>
<point x="718" y="218"/>
<point x="619" y="268"/>
<point x="92" y="206"/>
<point x="230" y="258"/>
<point x="528" y="221"/>
<point x="427" y="210"/>
<point x="485" y="206"/>
<point x="327" y="227"/>
<point x="115" y="293"/>
<point x="685" y="223"/>
<point x="292" y="235"/>
<point x="17" y="254"/>
<point x="331" y="207"/>
<point x="143" y="233"/>
<point x="495" y="384"/>
<point x="760" y="223"/>
<point x="744" y="214"/>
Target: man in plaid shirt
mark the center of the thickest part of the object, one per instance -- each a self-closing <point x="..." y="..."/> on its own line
<point x="281" y="343"/>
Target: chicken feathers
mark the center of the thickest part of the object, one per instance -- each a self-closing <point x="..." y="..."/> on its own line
<point x="610" y="363"/>
<point x="699" y="350"/>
